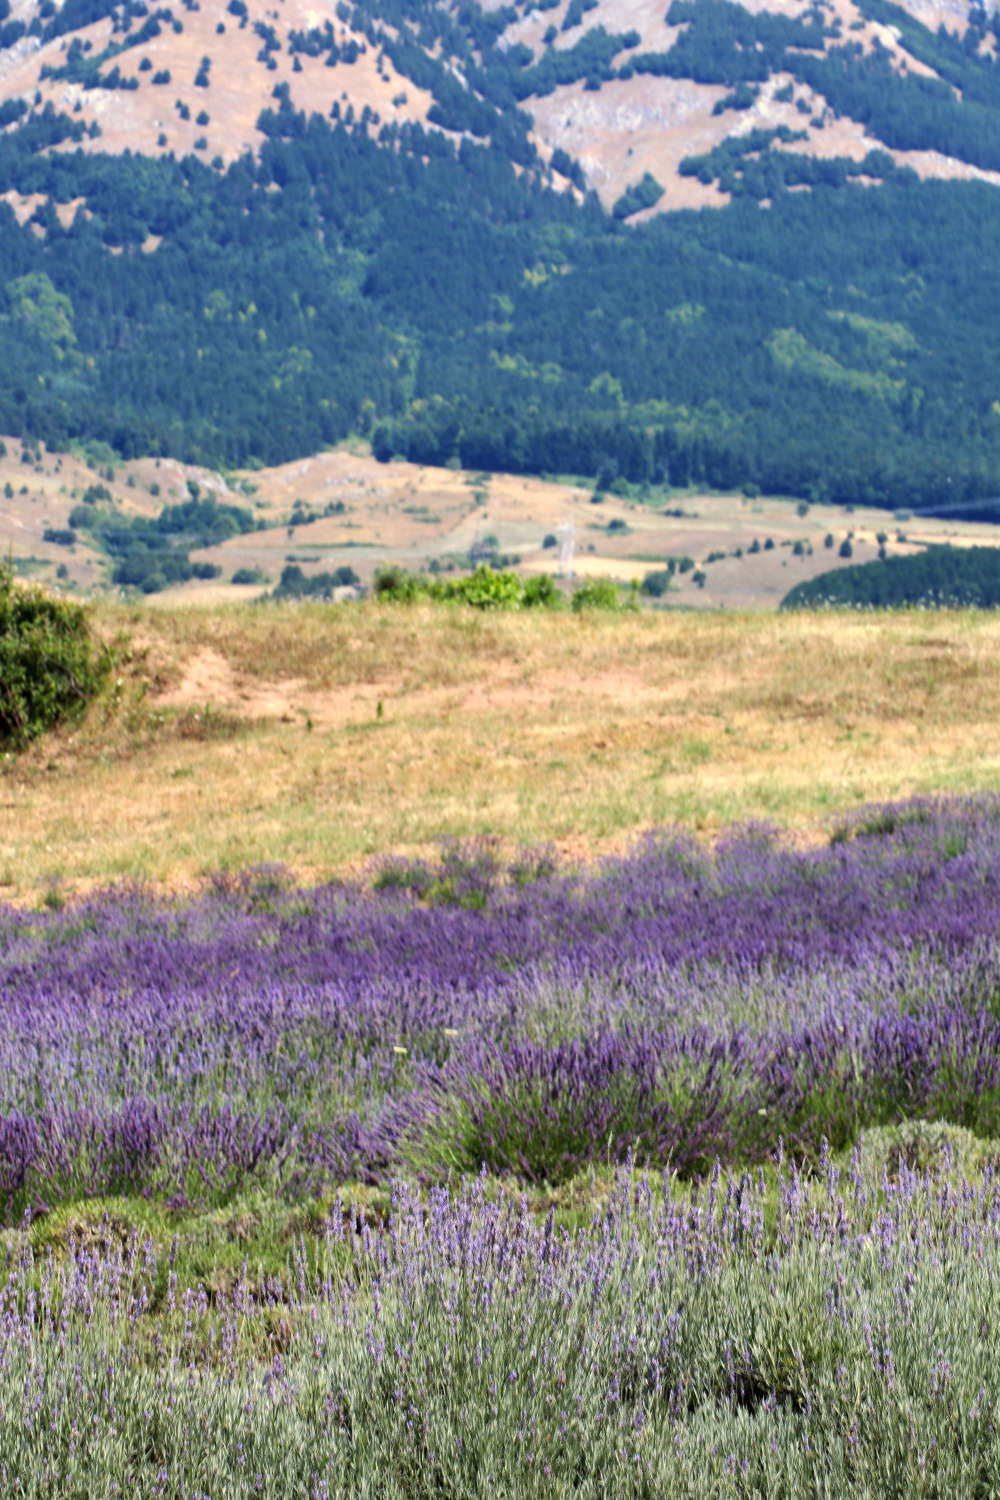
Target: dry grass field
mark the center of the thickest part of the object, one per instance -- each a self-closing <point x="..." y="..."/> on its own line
<point x="324" y="736"/>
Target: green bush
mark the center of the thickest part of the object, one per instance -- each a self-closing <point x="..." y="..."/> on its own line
<point x="542" y="592"/>
<point x="658" y="583"/>
<point x="596" y="593"/>
<point x="393" y="582"/>
<point x="50" y="665"/>
<point x="484" y="589"/>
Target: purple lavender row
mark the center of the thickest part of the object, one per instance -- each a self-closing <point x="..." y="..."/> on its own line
<point x="681" y="1004"/>
<point x="932" y="879"/>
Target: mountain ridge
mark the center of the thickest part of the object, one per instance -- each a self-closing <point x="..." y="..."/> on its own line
<point x="616" y="121"/>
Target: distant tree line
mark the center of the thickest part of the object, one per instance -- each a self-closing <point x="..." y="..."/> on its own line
<point x="151" y="554"/>
<point x="942" y="576"/>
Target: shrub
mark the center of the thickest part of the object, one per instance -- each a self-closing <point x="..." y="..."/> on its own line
<point x="657" y="583"/>
<point x="486" y="589"/>
<point x="541" y="591"/>
<point x="596" y="593"/>
<point x="50" y="666"/>
<point x="393" y="582"/>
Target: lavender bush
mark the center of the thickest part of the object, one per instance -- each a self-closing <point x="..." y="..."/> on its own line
<point x="803" y="1301"/>
<point x="762" y="1334"/>
<point x="677" y="1003"/>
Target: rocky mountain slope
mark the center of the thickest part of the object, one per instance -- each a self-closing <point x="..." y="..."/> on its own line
<point x="590" y="79"/>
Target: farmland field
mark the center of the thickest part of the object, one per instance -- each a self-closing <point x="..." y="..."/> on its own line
<point x="342" y="509"/>
<point x="610" y="1146"/>
<point x="677" y="1172"/>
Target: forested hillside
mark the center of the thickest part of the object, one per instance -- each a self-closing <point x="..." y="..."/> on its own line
<point x="953" y="577"/>
<point x="451" y="286"/>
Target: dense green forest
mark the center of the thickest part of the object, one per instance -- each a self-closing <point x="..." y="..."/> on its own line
<point x="959" y="577"/>
<point x="841" y="343"/>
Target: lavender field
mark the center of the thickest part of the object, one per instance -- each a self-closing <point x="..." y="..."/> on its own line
<point x="677" y="1175"/>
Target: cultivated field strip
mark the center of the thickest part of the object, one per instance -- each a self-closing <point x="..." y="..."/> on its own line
<point x="672" y="1005"/>
<point x="671" y="1175"/>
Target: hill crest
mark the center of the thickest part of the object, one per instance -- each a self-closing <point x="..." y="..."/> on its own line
<point x="602" y="88"/>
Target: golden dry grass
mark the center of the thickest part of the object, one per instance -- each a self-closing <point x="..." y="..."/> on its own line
<point x="244" y="735"/>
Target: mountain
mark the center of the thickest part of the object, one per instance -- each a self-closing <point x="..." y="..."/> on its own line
<point x="607" y="90"/>
<point x="713" y="243"/>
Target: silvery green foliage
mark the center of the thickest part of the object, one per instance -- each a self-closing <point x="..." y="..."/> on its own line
<point x="784" y="1330"/>
<point x="767" y="1334"/>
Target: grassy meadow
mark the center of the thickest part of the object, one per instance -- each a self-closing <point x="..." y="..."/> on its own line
<point x="426" y="1074"/>
<point x="319" y="737"/>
